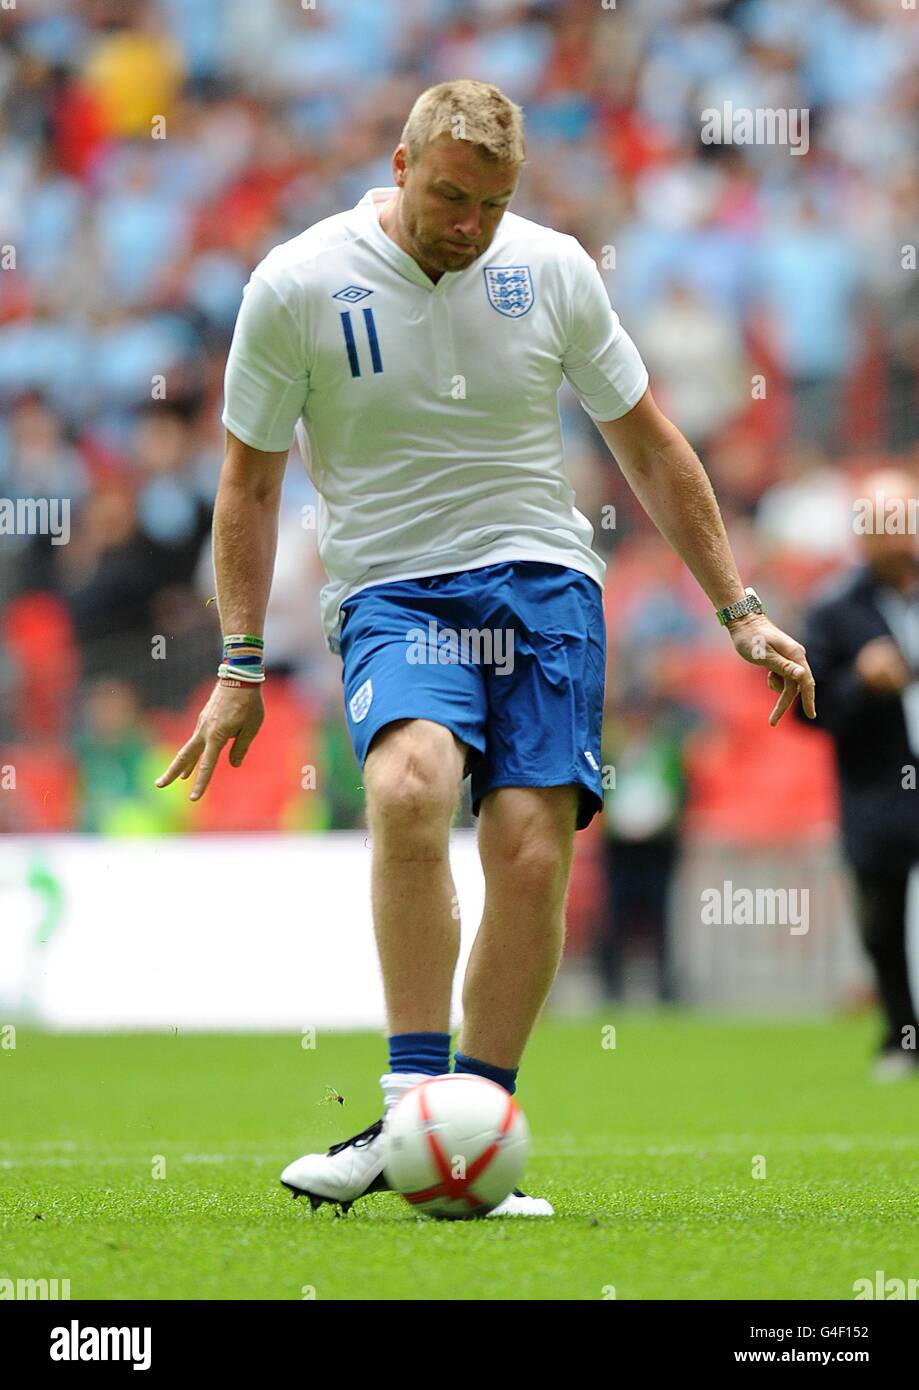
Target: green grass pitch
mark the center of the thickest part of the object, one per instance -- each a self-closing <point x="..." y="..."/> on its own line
<point x="647" y="1150"/>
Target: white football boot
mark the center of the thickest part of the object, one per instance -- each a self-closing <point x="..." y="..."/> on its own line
<point x="517" y="1203"/>
<point x="349" y="1170"/>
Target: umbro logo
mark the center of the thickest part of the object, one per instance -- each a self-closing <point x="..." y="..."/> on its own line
<point x="351" y="294"/>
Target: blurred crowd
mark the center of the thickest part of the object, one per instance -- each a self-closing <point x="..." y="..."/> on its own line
<point x="154" y="150"/>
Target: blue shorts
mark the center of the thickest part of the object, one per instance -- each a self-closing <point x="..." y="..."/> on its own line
<point x="511" y="658"/>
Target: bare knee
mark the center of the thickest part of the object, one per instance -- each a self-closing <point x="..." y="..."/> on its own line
<point x="533" y="871"/>
<point x="527" y="855"/>
<point x="412" y="776"/>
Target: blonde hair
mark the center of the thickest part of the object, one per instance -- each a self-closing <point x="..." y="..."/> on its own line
<point x="467" y="110"/>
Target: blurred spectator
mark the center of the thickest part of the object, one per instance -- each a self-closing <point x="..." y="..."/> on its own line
<point x="642" y="745"/>
<point x="891" y="237"/>
<point x="110" y="750"/>
<point x="862" y="640"/>
<point x="341" y="783"/>
<point x="134" y="70"/>
<point x="809" y="509"/>
<point x="807" y="275"/>
<point x="695" y="353"/>
<point x="117" y="761"/>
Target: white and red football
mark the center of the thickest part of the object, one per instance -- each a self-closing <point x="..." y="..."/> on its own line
<point x="455" y="1146"/>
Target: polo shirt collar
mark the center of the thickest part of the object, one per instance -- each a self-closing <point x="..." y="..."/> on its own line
<point x="371" y="203"/>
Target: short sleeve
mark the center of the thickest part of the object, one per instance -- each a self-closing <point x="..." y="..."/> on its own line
<point x="267" y="377"/>
<point x="600" y="361"/>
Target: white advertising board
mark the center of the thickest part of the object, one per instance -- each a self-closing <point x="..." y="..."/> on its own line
<point x="202" y="932"/>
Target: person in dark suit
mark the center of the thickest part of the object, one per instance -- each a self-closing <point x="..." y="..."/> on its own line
<point x="862" y="641"/>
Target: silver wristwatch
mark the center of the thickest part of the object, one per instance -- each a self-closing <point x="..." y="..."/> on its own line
<point x="751" y="604"/>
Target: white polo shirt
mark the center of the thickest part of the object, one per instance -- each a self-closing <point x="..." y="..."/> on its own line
<point x="427" y="415"/>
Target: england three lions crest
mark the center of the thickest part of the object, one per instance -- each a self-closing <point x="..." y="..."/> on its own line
<point x="361" y="701"/>
<point x="510" y="289"/>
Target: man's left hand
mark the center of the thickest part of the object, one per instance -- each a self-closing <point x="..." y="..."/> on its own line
<point x="760" y="642"/>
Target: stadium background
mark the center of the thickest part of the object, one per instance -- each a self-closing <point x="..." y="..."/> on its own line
<point x="153" y="152"/>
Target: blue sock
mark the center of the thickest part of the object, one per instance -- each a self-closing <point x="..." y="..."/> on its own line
<point x="428" y="1053"/>
<point x="505" y="1076"/>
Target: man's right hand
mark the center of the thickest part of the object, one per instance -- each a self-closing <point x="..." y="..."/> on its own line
<point x="881" y="667"/>
<point x="229" y="714"/>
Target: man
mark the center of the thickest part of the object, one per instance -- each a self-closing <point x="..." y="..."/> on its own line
<point x="644" y="735"/>
<point x="417" y="343"/>
<point x="863" y="637"/>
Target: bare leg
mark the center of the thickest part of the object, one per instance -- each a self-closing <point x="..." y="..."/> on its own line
<point x="526" y="841"/>
<point x="412" y="775"/>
